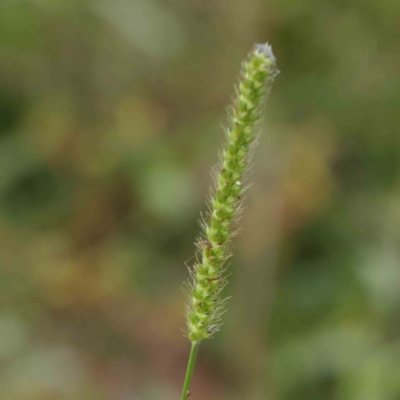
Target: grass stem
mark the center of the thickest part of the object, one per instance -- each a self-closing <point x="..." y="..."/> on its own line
<point x="189" y="370"/>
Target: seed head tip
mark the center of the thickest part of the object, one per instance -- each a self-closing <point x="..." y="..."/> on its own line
<point x="266" y="49"/>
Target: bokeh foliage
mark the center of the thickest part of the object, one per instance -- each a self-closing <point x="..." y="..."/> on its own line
<point x="110" y="115"/>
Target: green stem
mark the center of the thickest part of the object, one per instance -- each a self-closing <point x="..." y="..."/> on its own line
<point x="189" y="370"/>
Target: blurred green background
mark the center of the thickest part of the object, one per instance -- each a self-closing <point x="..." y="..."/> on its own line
<point x="110" y="119"/>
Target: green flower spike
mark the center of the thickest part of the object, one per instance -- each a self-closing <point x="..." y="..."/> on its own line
<point x="208" y="278"/>
<point x="205" y="305"/>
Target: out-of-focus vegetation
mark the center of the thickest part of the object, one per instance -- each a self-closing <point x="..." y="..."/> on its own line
<point x="110" y="115"/>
